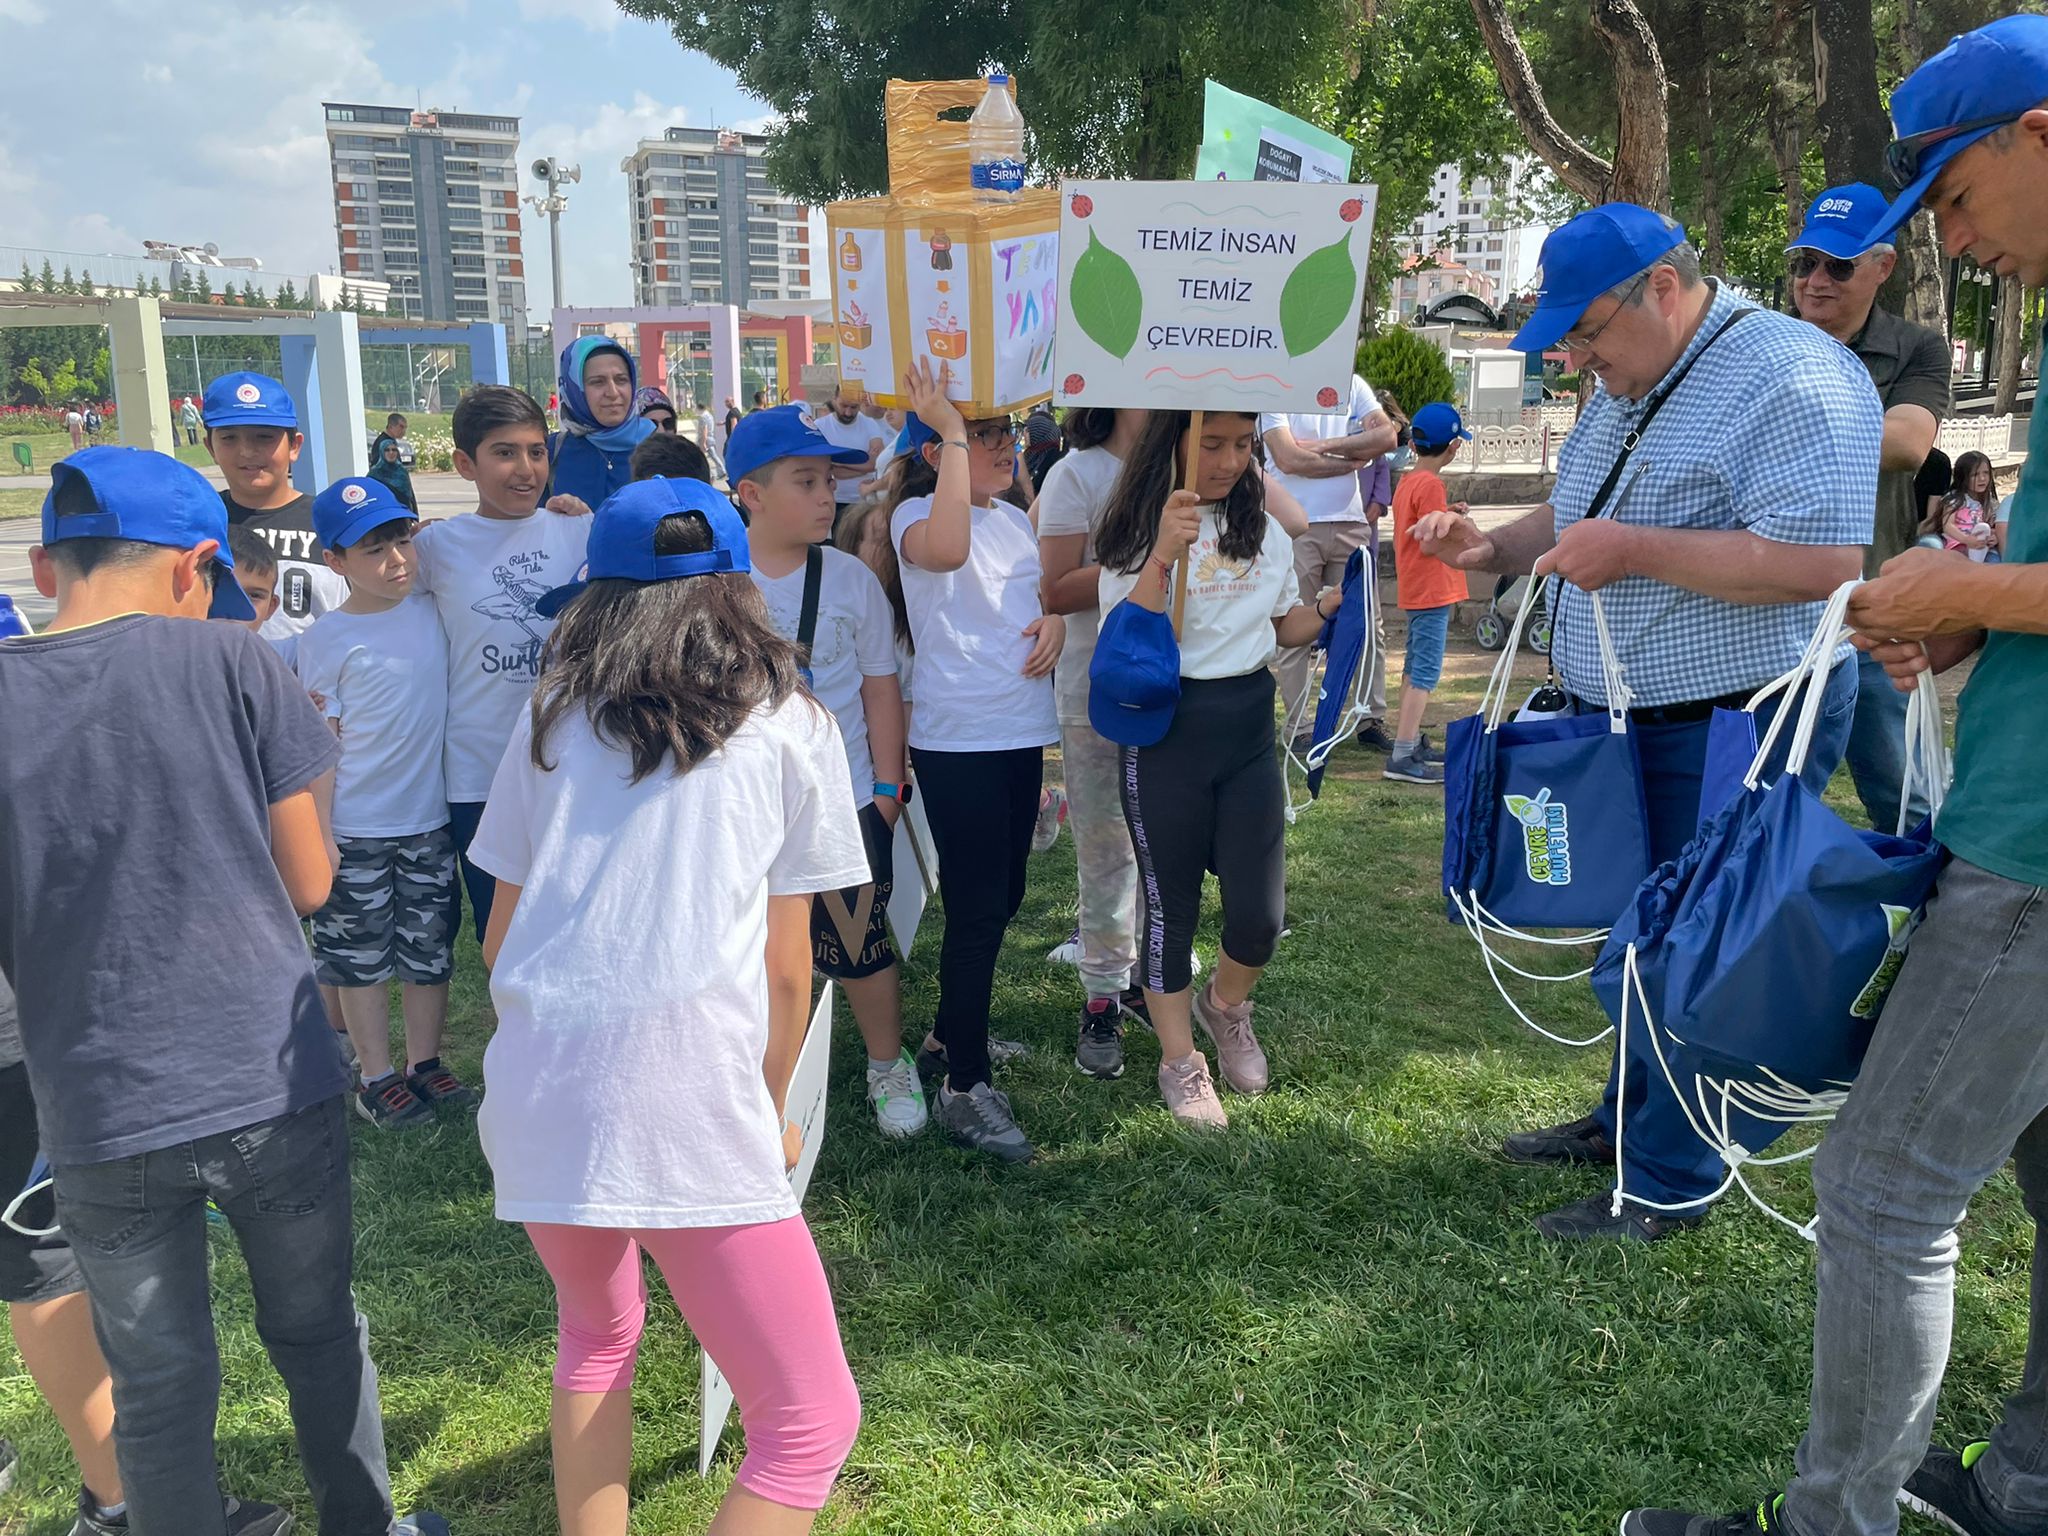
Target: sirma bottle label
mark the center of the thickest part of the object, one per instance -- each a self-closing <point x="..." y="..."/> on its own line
<point x="998" y="176"/>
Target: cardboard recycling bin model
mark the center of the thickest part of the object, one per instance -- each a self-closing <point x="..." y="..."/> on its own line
<point x="932" y="271"/>
<point x="1217" y="295"/>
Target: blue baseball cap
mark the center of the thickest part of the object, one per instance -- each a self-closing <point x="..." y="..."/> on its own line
<point x="1134" y="676"/>
<point x="622" y="538"/>
<point x="350" y="508"/>
<point x="146" y="498"/>
<point x="1981" y="81"/>
<point x="786" y="432"/>
<point x="1433" y="428"/>
<point x="1600" y="249"/>
<point x="1839" y="221"/>
<point x="248" y="400"/>
<point x="914" y="436"/>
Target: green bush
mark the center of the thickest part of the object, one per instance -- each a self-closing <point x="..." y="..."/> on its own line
<point x="1413" y="370"/>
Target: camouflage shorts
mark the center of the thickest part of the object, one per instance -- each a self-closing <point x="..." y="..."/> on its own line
<point x="392" y="912"/>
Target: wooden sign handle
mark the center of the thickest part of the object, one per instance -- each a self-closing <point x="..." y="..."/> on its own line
<point x="1180" y="568"/>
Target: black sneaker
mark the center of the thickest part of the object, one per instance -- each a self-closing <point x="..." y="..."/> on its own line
<point x="1413" y="768"/>
<point x="1593" y="1217"/>
<point x="422" y="1522"/>
<point x="1576" y="1141"/>
<point x="438" y="1088"/>
<point x="1136" y="1006"/>
<point x="1099" y="1047"/>
<point x="1373" y="737"/>
<point x="391" y="1105"/>
<point x="1944" y="1487"/>
<point x="931" y="1059"/>
<point x="252" y="1519"/>
<point x="1761" y="1521"/>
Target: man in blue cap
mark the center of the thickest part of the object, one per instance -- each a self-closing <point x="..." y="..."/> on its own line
<point x="1837" y="267"/>
<point x="1717" y="488"/>
<point x="1956" y="1080"/>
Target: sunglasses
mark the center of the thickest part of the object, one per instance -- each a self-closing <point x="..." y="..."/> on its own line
<point x="1902" y="157"/>
<point x="1841" y="269"/>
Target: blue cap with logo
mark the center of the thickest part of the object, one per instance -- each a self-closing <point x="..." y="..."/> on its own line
<point x="248" y="400"/>
<point x="1435" y="427"/>
<point x="1600" y="249"/>
<point x="1839" y="222"/>
<point x="785" y="432"/>
<point x="1981" y="81"/>
<point x="145" y="498"/>
<point x="1134" y="676"/>
<point x="914" y="436"/>
<point x="622" y="538"/>
<point x="350" y="508"/>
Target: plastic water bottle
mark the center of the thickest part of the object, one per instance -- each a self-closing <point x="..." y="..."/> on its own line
<point x="11" y="621"/>
<point x="995" y="144"/>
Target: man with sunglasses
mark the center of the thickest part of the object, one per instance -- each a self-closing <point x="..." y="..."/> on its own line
<point x="1955" y="1081"/>
<point x="1836" y="268"/>
<point x="1716" y="489"/>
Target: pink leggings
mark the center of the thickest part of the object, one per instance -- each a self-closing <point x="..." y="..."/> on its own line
<point x="755" y="1297"/>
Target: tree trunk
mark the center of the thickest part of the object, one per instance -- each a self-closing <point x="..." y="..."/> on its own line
<point x="1785" y="117"/>
<point x="1853" y="127"/>
<point x="1923" y="269"/>
<point x="2008" y="335"/>
<point x="1641" y="170"/>
<point x="1713" y="249"/>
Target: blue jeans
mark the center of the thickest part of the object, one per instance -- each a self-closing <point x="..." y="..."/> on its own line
<point x="1954" y="1084"/>
<point x="1877" y="748"/>
<point x="464" y="816"/>
<point x="1428" y="630"/>
<point x="137" y="1226"/>
<point x="1663" y="1160"/>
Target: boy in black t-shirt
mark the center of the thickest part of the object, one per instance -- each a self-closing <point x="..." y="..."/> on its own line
<point x="166" y="829"/>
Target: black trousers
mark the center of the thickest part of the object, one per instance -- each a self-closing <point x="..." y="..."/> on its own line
<point x="981" y="807"/>
<point x="1209" y="799"/>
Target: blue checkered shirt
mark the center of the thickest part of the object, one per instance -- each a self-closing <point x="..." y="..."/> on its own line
<point x="1776" y="431"/>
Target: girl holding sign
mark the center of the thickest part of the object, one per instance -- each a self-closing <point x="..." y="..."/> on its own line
<point x="969" y="573"/>
<point x="1208" y="794"/>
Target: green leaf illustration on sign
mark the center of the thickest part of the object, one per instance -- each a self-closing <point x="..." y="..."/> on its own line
<point x="1105" y="299"/>
<point x="1318" y="297"/>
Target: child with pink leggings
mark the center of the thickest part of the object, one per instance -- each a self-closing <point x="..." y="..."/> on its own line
<point x="656" y="830"/>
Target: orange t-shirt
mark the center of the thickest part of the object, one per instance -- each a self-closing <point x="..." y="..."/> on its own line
<point x="1423" y="581"/>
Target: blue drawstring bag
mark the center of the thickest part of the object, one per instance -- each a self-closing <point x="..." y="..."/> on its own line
<point x="1341" y="705"/>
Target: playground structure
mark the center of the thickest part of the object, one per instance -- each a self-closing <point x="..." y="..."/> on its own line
<point x="726" y="326"/>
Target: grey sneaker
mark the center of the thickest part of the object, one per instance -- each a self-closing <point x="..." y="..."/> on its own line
<point x="247" y="1518"/>
<point x="1413" y="768"/>
<point x="1238" y="1055"/>
<point x="390" y="1104"/>
<point x="1191" y="1094"/>
<point x="980" y="1120"/>
<point x="931" y="1059"/>
<point x="1099" y="1048"/>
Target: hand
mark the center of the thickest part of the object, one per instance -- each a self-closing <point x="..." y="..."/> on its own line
<point x="792" y="1145"/>
<point x="1919" y="593"/>
<point x="891" y="809"/>
<point x="1903" y="660"/>
<point x="1327" y="591"/>
<point x="1462" y="508"/>
<point x="1374" y="511"/>
<point x="1049" y="634"/>
<point x="1453" y="539"/>
<point x="1179" y="526"/>
<point x="927" y="393"/>
<point x="1591" y="554"/>
<point x="319" y="700"/>
<point x="568" y="506"/>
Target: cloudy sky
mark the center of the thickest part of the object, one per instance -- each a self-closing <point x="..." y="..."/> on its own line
<point x="198" y="120"/>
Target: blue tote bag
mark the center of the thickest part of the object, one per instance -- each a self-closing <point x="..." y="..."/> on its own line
<point x="1545" y="825"/>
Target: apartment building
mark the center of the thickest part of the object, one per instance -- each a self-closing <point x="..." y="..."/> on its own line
<point x="706" y="227"/>
<point x="1471" y="233"/>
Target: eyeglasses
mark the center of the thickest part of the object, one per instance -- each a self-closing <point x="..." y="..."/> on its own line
<point x="995" y="437"/>
<point x="1585" y="343"/>
<point x="1839" y="268"/>
<point x="1902" y="156"/>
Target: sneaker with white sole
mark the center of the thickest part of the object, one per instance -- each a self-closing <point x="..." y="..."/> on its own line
<point x="982" y="1121"/>
<point x="1413" y="768"/>
<point x="1190" y="1093"/>
<point x="1099" y="1046"/>
<point x="931" y="1059"/>
<point x="897" y="1098"/>
<point x="1945" y="1488"/>
<point x="1238" y="1056"/>
<point x="1052" y="815"/>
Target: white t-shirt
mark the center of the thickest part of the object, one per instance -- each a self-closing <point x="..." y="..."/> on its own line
<point x="1334" y="499"/>
<point x="1228" y="629"/>
<point x="485" y="574"/>
<point x="968" y="626"/>
<point x="385" y="678"/>
<point x="855" y="639"/>
<point x="287" y="647"/>
<point x="1072" y="500"/>
<point x="858" y="433"/>
<point x="623" y="1085"/>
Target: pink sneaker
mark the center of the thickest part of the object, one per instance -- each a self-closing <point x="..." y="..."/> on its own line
<point x="1190" y="1094"/>
<point x="1238" y="1055"/>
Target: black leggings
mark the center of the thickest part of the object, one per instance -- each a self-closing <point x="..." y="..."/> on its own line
<point x="1209" y="798"/>
<point x="981" y="807"/>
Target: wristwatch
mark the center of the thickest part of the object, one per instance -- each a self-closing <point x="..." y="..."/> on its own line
<point x="900" y="793"/>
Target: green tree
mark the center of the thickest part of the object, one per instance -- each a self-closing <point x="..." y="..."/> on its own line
<point x="85" y="287"/>
<point x="156" y="287"/>
<point x="67" y="283"/>
<point x="28" y="281"/>
<point x="1407" y="366"/>
<point x="202" y="288"/>
<point x="47" y="281"/>
<point x="287" y="295"/>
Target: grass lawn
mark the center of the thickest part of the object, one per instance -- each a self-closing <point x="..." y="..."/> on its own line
<point x="1336" y="1318"/>
<point x="20" y="504"/>
<point x="49" y="447"/>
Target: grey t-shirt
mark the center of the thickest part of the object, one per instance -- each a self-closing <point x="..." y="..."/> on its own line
<point x="163" y="983"/>
<point x="10" y="1028"/>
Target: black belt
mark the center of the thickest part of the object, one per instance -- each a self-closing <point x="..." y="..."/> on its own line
<point x="1690" y="712"/>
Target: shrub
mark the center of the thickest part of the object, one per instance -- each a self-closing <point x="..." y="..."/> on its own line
<point x="1410" y="367"/>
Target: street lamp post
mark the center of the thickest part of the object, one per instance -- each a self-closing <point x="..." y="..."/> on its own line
<point x="556" y="175"/>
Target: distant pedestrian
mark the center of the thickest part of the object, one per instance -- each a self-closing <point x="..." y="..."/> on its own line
<point x="74" y="423"/>
<point x="188" y="418"/>
<point x="732" y="418"/>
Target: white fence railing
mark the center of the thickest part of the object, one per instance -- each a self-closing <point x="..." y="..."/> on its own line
<point x="1976" y="434"/>
<point x="1532" y="446"/>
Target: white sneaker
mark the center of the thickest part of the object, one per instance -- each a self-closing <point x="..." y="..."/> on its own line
<point x="897" y="1097"/>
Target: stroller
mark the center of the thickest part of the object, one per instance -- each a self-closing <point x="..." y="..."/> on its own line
<point x="1509" y="594"/>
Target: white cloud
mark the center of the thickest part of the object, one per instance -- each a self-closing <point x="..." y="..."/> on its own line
<point x="26" y="12"/>
<point x="596" y="15"/>
<point x="157" y="74"/>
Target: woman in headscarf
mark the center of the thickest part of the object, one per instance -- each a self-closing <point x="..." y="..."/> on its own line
<point x="592" y="455"/>
<point x="652" y="404"/>
<point x="391" y="471"/>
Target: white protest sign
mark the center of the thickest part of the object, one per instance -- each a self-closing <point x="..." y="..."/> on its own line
<point x="916" y="872"/>
<point x="806" y="1111"/>
<point x="1218" y="295"/>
